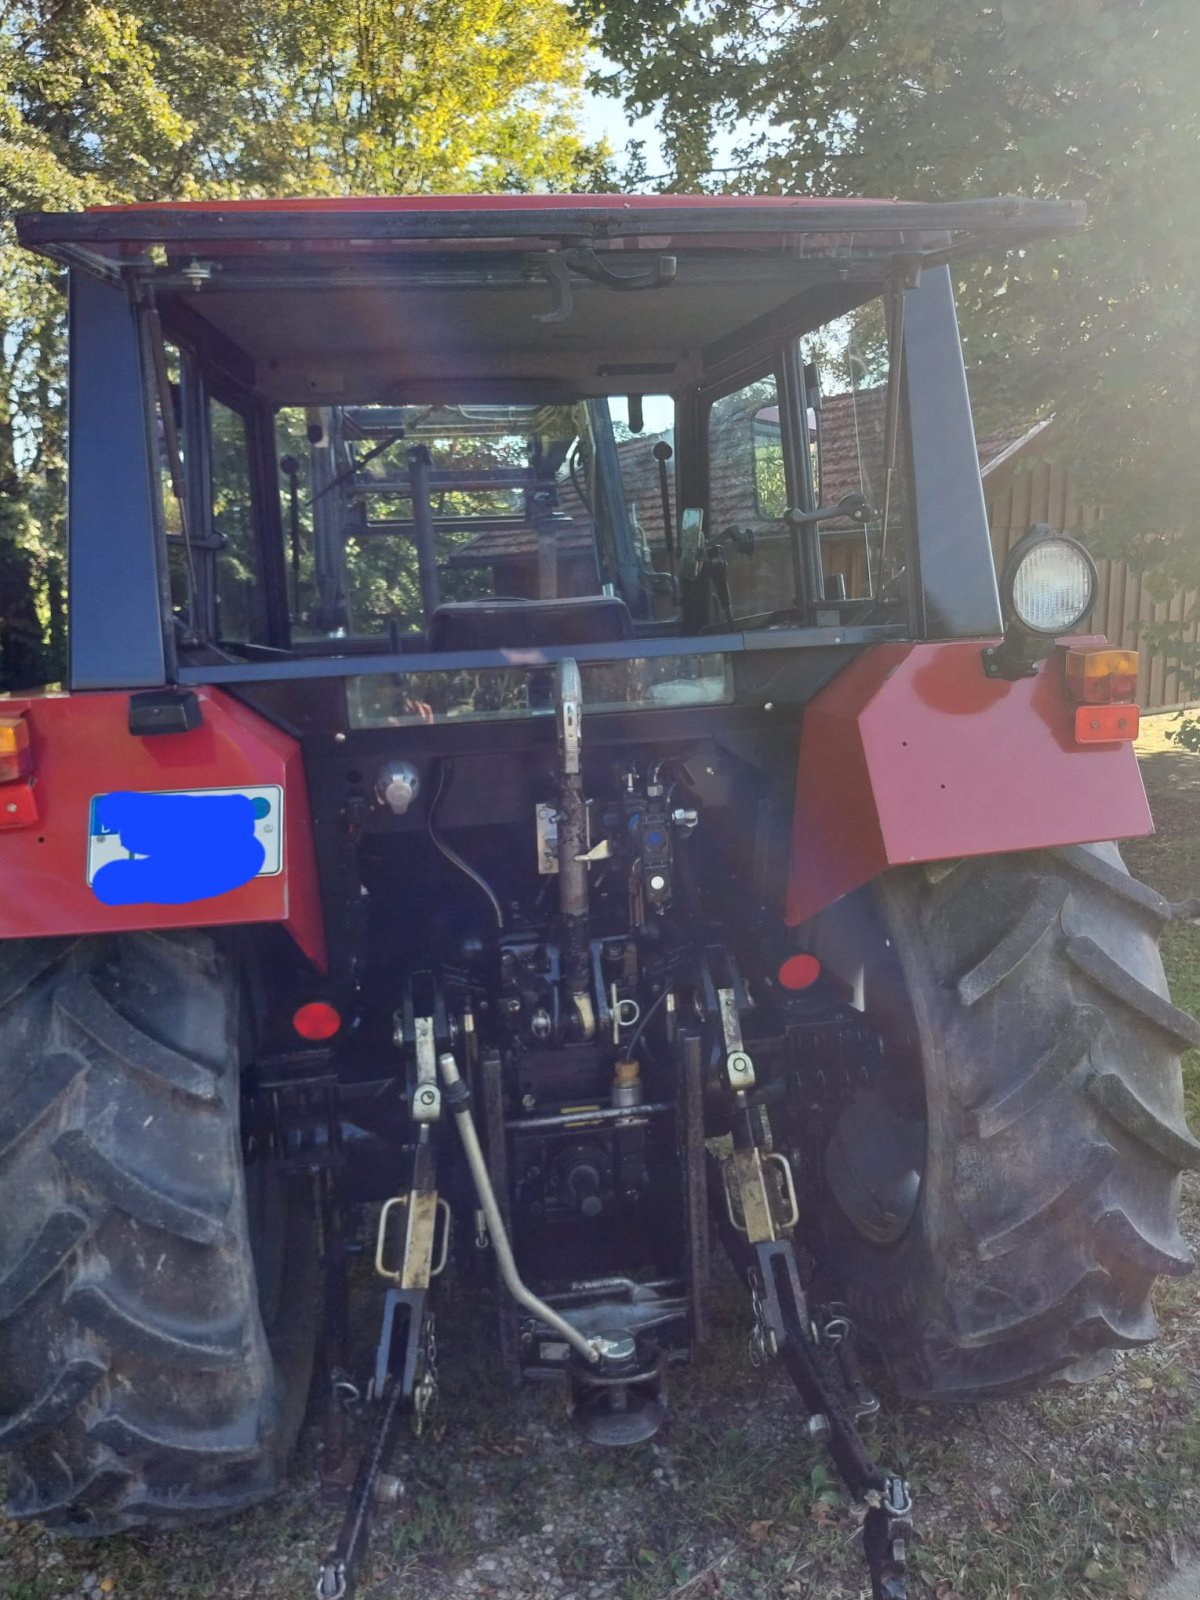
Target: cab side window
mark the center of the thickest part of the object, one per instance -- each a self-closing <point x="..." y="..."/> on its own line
<point x="239" y="590"/>
<point x="747" y="494"/>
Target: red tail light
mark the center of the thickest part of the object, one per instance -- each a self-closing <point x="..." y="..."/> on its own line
<point x="800" y="971"/>
<point x="317" y="1020"/>
<point x="18" y="804"/>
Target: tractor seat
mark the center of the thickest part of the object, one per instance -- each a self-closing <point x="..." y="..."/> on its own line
<point x="526" y="624"/>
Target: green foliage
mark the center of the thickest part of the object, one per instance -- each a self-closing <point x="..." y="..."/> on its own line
<point x="1187" y="734"/>
<point x="937" y="99"/>
<point x="107" y="103"/>
<point x="421" y="96"/>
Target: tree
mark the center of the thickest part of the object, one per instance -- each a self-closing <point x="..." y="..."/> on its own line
<point x="1091" y="99"/>
<point x="420" y="96"/>
<point x="149" y="100"/>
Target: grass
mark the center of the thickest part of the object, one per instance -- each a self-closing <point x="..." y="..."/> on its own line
<point x="1082" y="1493"/>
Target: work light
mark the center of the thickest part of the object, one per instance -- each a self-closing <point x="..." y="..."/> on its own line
<point x="1047" y="588"/>
<point x="1051" y="587"/>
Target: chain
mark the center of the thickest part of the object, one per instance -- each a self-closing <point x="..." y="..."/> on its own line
<point x="425" y="1393"/>
<point x="763" y="1343"/>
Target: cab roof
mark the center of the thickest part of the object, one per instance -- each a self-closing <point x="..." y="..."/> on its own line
<point x="120" y="230"/>
<point x="459" y="296"/>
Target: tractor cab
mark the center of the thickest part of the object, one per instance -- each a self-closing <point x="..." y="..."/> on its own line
<point x="345" y="421"/>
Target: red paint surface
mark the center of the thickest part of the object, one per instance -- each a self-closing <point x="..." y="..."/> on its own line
<point x="785" y="207"/>
<point x="82" y="747"/>
<point x="500" y="202"/>
<point x="911" y="755"/>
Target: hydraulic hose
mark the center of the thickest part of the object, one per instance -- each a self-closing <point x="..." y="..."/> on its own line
<point x="451" y="855"/>
<point x="459" y="1103"/>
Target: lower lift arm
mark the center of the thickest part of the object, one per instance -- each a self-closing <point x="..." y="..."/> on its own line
<point x="756" y="1221"/>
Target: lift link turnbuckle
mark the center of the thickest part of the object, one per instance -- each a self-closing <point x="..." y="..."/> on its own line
<point x="760" y="1196"/>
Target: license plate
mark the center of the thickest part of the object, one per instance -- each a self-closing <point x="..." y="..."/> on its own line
<point x="104" y="846"/>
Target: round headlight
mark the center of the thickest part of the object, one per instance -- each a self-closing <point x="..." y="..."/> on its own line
<point x="1051" y="584"/>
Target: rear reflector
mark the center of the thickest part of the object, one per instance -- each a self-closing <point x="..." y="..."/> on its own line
<point x="317" y="1020"/>
<point x="799" y="971"/>
<point x="1101" y="677"/>
<point x="16" y="758"/>
<point x="1106" y="724"/>
<point x="18" y="806"/>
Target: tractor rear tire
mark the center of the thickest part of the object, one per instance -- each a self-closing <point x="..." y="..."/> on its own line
<point x="156" y="1332"/>
<point x="1030" y="1050"/>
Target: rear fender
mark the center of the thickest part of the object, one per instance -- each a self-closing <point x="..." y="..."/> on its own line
<point x="912" y="754"/>
<point x="82" y="749"/>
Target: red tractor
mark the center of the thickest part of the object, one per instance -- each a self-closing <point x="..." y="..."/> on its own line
<point x="548" y="767"/>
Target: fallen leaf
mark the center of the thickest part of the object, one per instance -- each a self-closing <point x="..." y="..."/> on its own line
<point x="758" y="1531"/>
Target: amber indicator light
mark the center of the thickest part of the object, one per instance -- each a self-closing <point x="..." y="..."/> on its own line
<point x="16" y="758"/>
<point x="1102" y="677"/>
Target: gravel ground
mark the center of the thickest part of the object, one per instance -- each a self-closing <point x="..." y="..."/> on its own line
<point x="1086" y="1492"/>
<point x="1181" y="1585"/>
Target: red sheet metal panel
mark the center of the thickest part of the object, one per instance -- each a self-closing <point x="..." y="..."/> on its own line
<point x="82" y="748"/>
<point x="505" y="202"/>
<point x="911" y="754"/>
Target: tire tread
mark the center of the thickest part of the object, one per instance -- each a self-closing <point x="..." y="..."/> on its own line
<point x="129" y="1282"/>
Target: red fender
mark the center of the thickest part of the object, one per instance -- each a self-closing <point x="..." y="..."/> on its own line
<point x="912" y="754"/>
<point x="82" y="747"/>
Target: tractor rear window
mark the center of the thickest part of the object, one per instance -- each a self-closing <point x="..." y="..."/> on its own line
<point x="391" y="512"/>
<point x="394" y="519"/>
